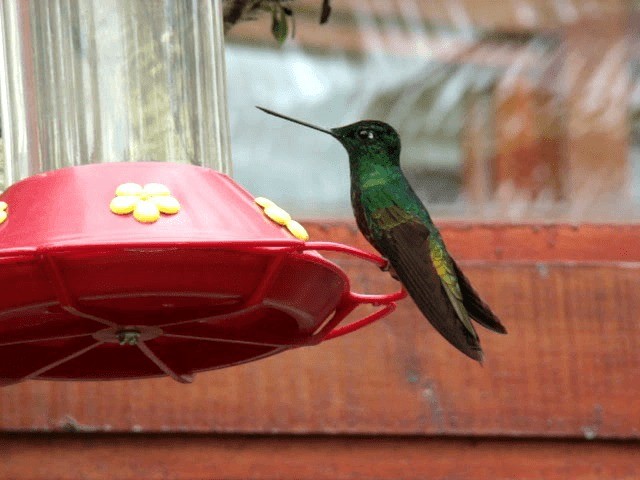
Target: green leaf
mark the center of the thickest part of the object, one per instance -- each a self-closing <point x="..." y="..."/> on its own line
<point x="279" y="25"/>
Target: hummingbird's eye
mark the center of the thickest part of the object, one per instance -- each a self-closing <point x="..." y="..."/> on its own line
<point x="366" y="134"/>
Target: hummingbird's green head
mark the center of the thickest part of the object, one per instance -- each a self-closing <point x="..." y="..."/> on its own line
<point x="369" y="139"/>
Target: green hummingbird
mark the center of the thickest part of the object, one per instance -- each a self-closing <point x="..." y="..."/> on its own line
<point x="393" y="219"/>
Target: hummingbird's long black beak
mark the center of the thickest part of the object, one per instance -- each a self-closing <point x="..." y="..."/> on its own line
<point x="315" y="127"/>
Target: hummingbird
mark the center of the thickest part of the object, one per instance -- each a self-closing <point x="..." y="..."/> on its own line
<point x="396" y="223"/>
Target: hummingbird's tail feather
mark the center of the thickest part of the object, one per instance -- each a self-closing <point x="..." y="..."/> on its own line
<point x="478" y="310"/>
<point x="406" y="247"/>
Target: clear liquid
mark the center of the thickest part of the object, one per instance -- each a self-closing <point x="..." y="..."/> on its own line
<point x="85" y="81"/>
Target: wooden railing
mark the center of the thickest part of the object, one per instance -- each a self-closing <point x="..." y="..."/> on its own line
<point x="556" y="396"/>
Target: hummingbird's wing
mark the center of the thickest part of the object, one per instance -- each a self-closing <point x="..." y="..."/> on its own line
<point x="405" y="241"/>
<point x="478" y="310"/>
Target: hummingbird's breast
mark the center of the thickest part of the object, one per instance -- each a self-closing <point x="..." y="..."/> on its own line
<point x="359" y="213"/>
<point x="375" y="188"/>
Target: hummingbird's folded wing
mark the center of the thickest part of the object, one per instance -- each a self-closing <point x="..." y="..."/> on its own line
<point x="406" y="246"/>
<point x="478" y="310"/>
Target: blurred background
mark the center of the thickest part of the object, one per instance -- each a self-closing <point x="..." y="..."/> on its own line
<point x="517" y="110"/>
<point x="512" y="110"/>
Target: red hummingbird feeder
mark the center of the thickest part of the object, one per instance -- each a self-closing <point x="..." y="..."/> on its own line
<point x="136" y="269"/>
<point x="89" y="294"/>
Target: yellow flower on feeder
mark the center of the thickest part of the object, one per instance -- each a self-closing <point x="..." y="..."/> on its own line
<point x="3" y="211"/>
<point x="281" y="217"/>
<point x="145" y="202"/>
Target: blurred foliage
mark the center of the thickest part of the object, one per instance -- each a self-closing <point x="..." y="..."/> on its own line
<point x="283" y="22"/>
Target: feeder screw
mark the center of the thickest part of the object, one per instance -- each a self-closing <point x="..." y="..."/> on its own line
<point x="128" y="337"/>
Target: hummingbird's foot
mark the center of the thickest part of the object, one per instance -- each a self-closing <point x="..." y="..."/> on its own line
<point x="388" y="268"/>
